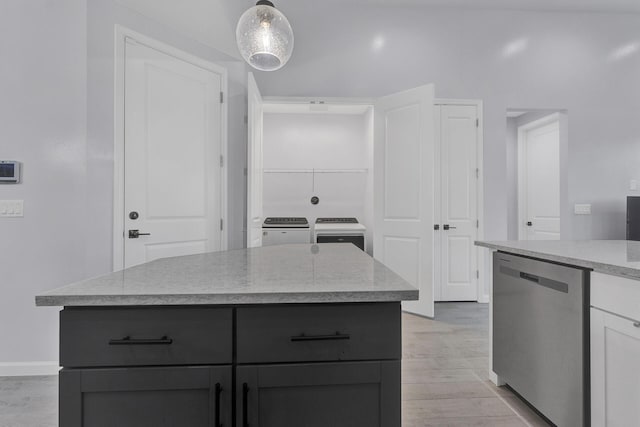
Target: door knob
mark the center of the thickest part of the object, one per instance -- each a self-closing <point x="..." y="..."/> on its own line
<point x="447" y="227"/>
<point x="134" y="234"/>
<point x="529" y="224"/>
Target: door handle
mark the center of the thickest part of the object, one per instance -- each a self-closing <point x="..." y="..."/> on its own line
<point x="245" y="399"/>
<point x="447" y="227"/>
<point x="134" y="234"/>
<point x="217" y="413"/>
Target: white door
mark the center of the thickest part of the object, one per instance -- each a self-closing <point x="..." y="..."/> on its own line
<point x="254" y="165"/>
<point x="172" y="155"/>
<point x="456" y="203"/>
<point x="615" y="378"/>
<point x="539" y="175"/>
<point x="403" y="188"/>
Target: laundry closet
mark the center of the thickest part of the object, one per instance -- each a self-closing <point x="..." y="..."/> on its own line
<point x="398" y="176"/>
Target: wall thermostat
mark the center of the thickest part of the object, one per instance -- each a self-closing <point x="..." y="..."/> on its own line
<point x="9" y="171"/>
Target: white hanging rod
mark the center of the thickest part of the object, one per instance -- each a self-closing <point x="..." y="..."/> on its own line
<point x="316" y="170"/>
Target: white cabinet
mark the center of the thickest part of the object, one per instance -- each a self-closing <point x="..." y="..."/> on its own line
<point x="615" y="351"/>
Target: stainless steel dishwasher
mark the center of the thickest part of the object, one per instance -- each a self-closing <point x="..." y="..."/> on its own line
<point x="541" y="335"/>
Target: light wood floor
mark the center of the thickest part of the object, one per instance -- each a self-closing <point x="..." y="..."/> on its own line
<point x="444" y="376"/>
<point x="445" y="371"/>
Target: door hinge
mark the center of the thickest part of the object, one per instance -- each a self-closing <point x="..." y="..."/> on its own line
<point x="221" y="97"/>
<point x="477" y="223"/>
<point x="221" y="161"/>
<point x="477" y="173"/>
<point x="477" y="123"/>
<point x="477" y="274"/>
<point x="221" y="224"/>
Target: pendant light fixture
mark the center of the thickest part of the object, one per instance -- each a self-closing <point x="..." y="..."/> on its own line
<point x="264" y="37"/>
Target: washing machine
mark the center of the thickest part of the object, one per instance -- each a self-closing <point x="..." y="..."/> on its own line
<point x="283" y="230"/>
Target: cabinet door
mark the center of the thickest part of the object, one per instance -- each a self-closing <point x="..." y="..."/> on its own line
<point x="615" y="377"/>
<point x="362" y="394"/>
<point x="141" y="397"/>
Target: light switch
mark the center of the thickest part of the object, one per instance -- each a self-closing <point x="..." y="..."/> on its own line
<point x="582" y="209"/>
<point x="11" y="208"/>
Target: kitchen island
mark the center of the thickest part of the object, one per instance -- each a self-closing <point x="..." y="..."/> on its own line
<point x="565" y="327"/>
<point x="275" y="336"/>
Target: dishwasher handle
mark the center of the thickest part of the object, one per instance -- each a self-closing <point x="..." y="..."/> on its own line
<point x="546" y="282"/>
<point x="529" y="277"/>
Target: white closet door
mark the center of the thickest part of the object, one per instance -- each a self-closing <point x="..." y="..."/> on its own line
<point x="172" y="153"/>
<point x="254" y="165"/>
<point x="458" y="202"/>
<point x="403" y="188"/>
<point x="540" y="161"/>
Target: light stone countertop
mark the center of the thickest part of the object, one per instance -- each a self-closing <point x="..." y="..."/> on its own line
<point x="617" y="257"/>
<point x="297" y="273"/>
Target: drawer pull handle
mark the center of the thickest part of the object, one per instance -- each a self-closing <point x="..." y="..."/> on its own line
<point x="337" y="336"/>
<point x="217" y="415"/>
<point x="636" y="324"/>
<point x="245" y="411"/>
<point x="138" y="341"/>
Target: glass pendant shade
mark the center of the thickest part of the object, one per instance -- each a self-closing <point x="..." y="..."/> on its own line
<point x="264" y="37"/>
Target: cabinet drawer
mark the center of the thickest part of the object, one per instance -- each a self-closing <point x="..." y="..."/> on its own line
<point x="615" y="294"/>
<point x="318" y="332"/>
<point x="145" y="336"/>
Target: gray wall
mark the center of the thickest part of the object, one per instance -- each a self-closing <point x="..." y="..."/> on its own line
<point x="43" y="110"/>
<point x="506" y="58"/>
<point x="57" y="108"/>
<point x="512" y="178"/>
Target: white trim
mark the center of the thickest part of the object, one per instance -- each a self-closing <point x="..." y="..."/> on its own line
<point x="121" y="34"/>
<point x="522" y="175"/>
<point x="483" y="296"/>
<point x="327" y="100"/>
<point x="29" y="369"/>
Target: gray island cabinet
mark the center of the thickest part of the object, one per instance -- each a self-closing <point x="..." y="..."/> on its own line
<point x="292" y="335"/>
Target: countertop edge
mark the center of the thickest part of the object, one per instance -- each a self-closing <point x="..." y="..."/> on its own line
<point x="226" y="299"/>
<point x="599" y="267"/>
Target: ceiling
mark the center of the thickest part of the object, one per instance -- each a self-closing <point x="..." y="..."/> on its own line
<point x="541" y="5"/>
<point x="206" y="21"/>
<point x="212" y="22"/>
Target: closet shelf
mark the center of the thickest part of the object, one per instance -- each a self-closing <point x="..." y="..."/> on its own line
<point x="316" y="170"/>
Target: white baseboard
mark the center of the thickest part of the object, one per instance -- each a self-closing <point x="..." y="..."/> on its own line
<point x="495" y="379"/>
<point x="484" y="299"/>
<point x="28" y="369"/>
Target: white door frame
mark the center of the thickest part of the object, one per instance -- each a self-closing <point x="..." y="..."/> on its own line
<point x="121" y="34"/>
<point x="522" y="176"/>
<point x="483" y="292"/>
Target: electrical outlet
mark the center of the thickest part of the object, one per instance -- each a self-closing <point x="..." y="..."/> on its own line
<point x="582" y="209"/>
<point x="12" y="208"/>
